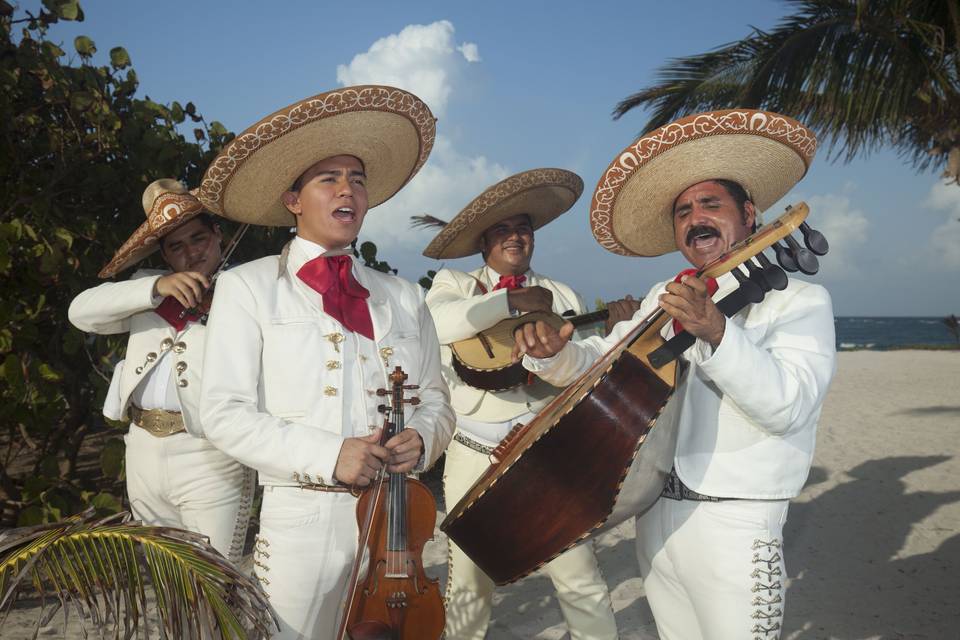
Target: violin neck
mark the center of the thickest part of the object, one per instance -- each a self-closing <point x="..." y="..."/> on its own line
<point x="397" y="490"/>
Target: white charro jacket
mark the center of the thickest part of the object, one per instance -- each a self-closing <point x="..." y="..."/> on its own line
<point x="460" y="311"/>
<point x="748" y="410"/>
<point x="271" y="394"/>
<point x="121" y="307"/>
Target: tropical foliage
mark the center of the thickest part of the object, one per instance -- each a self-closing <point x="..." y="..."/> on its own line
<point x="77" y="148"/>
<point x="96" y="566"/>
<point x="861" y="73"/>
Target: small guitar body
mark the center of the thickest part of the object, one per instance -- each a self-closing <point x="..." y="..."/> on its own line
<point x="484" y="362"/>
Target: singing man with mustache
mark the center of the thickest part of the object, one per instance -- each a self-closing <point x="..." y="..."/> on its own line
<point x="711" y="548"/>
<point x="499" y="224"/>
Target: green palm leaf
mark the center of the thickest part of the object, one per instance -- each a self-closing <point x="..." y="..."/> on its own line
<point x="862" y="74"/>
<point x="97" y="566"/>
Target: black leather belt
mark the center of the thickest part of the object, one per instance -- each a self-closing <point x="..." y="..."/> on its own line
<point x="676" y="490"/>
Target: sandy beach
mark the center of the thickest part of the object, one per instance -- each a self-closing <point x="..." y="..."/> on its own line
<point x="872" y="543"/>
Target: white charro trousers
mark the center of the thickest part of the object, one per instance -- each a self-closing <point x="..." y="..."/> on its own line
<point x="185" y="482"/>
<point x="714" y="570"/>
<point x="303" y="557"/>
<point x="581" y="589"/>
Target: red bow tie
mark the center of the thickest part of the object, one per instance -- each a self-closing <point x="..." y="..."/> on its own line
<point x="172" y="311"/>
<point x="344" y="298"/>
<point x="510" y="282"/>
<point x="711" y="289"/>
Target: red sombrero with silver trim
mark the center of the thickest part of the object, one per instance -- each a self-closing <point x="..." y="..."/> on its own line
<point x="632" y="208"/>
<point x="168" y="205"/>
<point x="390" y="130"/>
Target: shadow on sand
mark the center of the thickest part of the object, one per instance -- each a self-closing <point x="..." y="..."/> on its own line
<point x="844" y="555"/>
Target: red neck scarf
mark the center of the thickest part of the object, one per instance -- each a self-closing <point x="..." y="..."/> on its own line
<point x="171" y="309"/>
<point x="344" y="298"/>
<point x="711" y="289"/>
<point x="510" y="282"/>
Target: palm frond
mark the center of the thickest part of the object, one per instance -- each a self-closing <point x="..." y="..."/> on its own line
<point x="100" y="567"/>
<point x="426" y="221"/>
<point x="861" y="74"/>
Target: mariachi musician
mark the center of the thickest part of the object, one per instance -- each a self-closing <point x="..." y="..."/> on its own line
<point x="175" y="477"/>
<point x="499" y="224"/>
<point x="711" y="548"/>
<point x="299" y="343"/>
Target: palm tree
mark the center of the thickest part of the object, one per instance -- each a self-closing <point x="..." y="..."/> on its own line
<point x="862" y="73"/>
<point x="110" y="568"/>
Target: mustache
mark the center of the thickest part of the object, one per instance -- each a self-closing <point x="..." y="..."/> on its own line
<point x="701" y="230"/>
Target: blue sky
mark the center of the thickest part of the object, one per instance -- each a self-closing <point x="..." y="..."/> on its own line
<point x="522" y="85"/>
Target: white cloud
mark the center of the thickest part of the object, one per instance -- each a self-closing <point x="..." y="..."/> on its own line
<point x="421" y="59"/>
<point x="845" y="228"/>
<point x="470" y="51"/>
<point x="445" y="185"/>
<point x="945" y="239"/>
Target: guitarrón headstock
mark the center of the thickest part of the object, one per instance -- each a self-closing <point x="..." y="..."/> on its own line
<point x="763" y="238"/>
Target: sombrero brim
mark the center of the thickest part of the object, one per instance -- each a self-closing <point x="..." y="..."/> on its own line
<point x="543" y="194"/>
<point x="169" y="214"/>
<point x="632" y="208"/>
<point x="390" y="130"/>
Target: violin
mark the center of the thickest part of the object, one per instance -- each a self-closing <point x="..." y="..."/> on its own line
<point x="202" y="310"/>
<point x="394" y="599"/>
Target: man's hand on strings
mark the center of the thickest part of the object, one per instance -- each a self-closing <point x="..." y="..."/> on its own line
<point x="186" y="286"/>
<point x="405" y="450"/>
<point x="689" y="302"/>
<point x="540" y="340"/>
<point x="360" y="460"/>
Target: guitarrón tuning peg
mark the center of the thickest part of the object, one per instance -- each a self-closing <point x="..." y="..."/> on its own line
<point x="785" y="257"/>
<point x="814" y="240"/>
<point x="806" y="261"/>
<point x="756" y="274"/>
<point x="773" y="274"/>
<point x="752" y="291"/>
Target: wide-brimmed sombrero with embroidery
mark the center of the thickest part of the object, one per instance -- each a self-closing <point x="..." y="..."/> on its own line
<point x="543" y="194"/>
<point x="390" y="130"/>
<point x="168" y="205"/>
<point x="632" y="208"/>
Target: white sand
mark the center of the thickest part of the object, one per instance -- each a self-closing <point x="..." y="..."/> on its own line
<point x="872" y="543"/>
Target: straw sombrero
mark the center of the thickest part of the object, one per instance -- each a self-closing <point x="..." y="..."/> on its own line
<point x="390" y="130"/>
<point x="632" y="208"/>
<point x="543" y="194"/>
<point x="168" y="205"/>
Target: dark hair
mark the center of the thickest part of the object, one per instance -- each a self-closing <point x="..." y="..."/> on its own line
<point x="736" y="191"/>
<point x="208" y="220"/>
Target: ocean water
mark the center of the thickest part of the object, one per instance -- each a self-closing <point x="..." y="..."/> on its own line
<point x="890" y="333"/>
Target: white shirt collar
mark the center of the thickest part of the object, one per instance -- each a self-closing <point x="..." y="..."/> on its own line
<point x="310" y="248"/>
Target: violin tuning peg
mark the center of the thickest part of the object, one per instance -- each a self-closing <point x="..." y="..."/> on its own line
<point x="805" y="259"/>
<point x="414" y="401"/>
<point x="785" y="257"/>
<point x="382" y="392"/>
<point x="772" y="273"/>
<point x="411" y="386"/>
<point x="382" y="408"/>
<point x="814" y="240"/>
